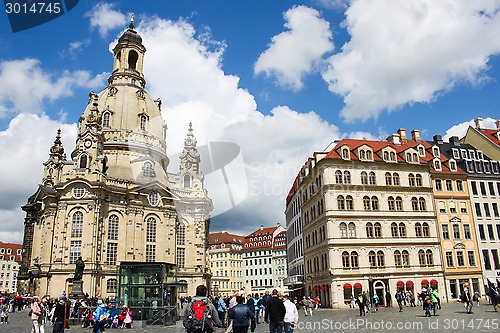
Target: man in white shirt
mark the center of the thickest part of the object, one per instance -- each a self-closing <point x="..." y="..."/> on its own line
<point x="291" y="315"/>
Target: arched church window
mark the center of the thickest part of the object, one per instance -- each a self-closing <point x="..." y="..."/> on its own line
<point x="77" y="224"/>
<point x="83" y="161"/>
<point x="187" y="181"/>
<point x="147" y="170"/>
<point x="113" y="227"/>
<point x="143" y="120"/>
<point x="106" y="117"/>
<point x="132" y="59"/>
<point x="151" y="230"/>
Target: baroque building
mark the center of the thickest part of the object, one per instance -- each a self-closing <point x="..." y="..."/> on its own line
<point x="369" y="221"/>
<point x="10" y="261"/>
<point x="113" y="200"/>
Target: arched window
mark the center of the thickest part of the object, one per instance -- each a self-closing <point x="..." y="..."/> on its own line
<point x="372" y="259"/>
<point x="386" y="155"/>
<point x="352" y="230"/>
<point x="347" y="177"/>
<point x="422" y="205"/>
<point x="405" y="256"/>
<point x="361" y="154"/>
<point x="378" y="230"/>
<point x="143" y="120"/>
<point x="366" y="203"/>
<point x="106" y="118"/>
<point x="343" y="230"/>
<point x="415" y="157"/>
<point x="151" y="230"/>
<point x="411" y="179"/>
<point x="402" y="230"/>
<point x="393" y="156"/>
<point x="345" y="153"/>
<point x="364" y="178"/>
<point x="380" y="259"/>
<point x="418" y="179"/>
<point x="132" y="59"/>
<point x="83" y="161"/>
<point x="354" y="259"/>
<point x="418" y="229"/>
<point x="369" y="230"/>
<point x="388" y="179"/>
<point x="395" y="179"/>
<point x="397" y="258"/>
<point x="187" y="181"/>
<point x="399" y="204"/>
<point x="394" y="229"/>
<point x="437" y="164"/>
<point x="338" y="177"/>
<point x="349" y="203"/>
<point x="373" y="180"/>
<point x="340" y="202"/>
<point x="391" y="203"/>
<point x="113" y="227"/>
<point x="435" y="151"/>
<point x="368" y="155"/>
<point x="147" y="170"/>
<point x="421" y="257"/>
<point x="425" y="230"/>
<point x="414" y="204"/>
<point x="77" y="224"/>
<point x="429" y="257"/>
<point x="345" y="259"/>
<point x="375" y="205"/>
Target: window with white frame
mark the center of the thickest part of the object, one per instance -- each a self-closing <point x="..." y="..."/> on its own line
<point x="111" y="286"/>
<point x="111" y="253"/>
<point x="113" y="227"/>
<point x="75" y="251"/>
<point x="150" y="252"/>
<point x="151" y="230"/>
<point x="77" y="224"/>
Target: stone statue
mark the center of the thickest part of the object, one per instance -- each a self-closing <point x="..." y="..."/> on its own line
<point x="80" y="266"/>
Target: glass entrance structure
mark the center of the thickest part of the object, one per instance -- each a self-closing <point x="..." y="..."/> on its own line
<point x="149" y="289"/>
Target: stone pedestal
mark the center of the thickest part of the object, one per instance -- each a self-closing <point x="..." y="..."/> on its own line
<point x="77" y="291"/>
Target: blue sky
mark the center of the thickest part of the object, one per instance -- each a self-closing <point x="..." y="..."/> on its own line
<point x="281" y="79"/>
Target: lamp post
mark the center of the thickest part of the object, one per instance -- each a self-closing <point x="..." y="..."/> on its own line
<point x="216" y="290"/>
<point x="309" y="277"/>
<point x="370" y="287"/>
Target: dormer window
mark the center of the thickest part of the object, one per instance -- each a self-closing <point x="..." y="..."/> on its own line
<point x="472" y="154"/>
<point x="456" y="154"/>
<point x="479" y="155"/>
<point x="386" y="156"/>
<point x="362" y="155"/>
<point x="369" y="155"/>
<point x="147" y="170"/>
<point x="408" y="157"/>
<point x="345" y="153"/>
<point x="453" y="166"/>
<point x="421" y="151"/>
<point x="494" y="166"/>
<point x="437" y="165"/>
<point x="415" y="158"/>
<point x="392" y="156"/>
<point x="435" y="151"/>
<point x="463" y="152"/>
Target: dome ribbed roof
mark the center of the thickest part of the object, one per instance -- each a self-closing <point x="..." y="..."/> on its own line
<point x="131" y="35"/>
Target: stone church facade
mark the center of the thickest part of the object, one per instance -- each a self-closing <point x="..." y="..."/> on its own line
<point x="113" y="200"/>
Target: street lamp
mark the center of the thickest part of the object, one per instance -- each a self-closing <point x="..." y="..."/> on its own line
<point x="309" y="277"/>
<point x="216" y="289"/>
<point x="370" y="286"/>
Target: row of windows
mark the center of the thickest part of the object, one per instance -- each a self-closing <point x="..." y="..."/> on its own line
<point x="459" y="186"/>
<point x="485" y="209"/>
<point x="9" y="251"/>
<point x="491" y="259"/>
<point x="317" y="264"/>
<point x="374" y="230"/>
<point x="491" y="232"/>
<point x="401" y="259"/>
<point x="452" y="205"/>
<point x="460" y="258"/>
<point x="370" y="178"/>
<point x="313" y="237"/>
<point x="259" y="271"/>
<point x="393" y="204"/>
<point x="261" y="283"/>
<point x="106" y="120"/>
<point x="482" y="188"/>
<point x="225" y="264"/>
<point x="456" y="231"/>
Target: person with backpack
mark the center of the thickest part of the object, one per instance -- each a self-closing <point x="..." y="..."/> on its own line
<point x="275" y="313"/>
<point x="376" y="302"/>
<point x="399" y="299"/>
<point x="200" y="315"/>
<point x="242" y="316"/>
<point x="427" y="305"/>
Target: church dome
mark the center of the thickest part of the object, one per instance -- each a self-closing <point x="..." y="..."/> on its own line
<point x="131" y="35"/>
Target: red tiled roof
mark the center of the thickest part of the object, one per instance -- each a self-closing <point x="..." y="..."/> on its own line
<point x="490" y="134"/>
<point x="14" y="248"/>
<point x="280" y="238"/>
<point x="226" y="238"/>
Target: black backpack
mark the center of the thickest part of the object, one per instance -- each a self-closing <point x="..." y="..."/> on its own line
<point x="198" y="318"/>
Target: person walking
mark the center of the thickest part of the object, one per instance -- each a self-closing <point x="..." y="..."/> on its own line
<point x="435" y="301"/>
<point x="200" y="304"/>
<point x="275" y="313"/>
<point x="291" y="315"/>
<point x="427" y="305"/>
<point x="257" y="301"/>
<point x="476" y="297"/>
<point x="376" y="302"/>
<point x="221" y="310"/>
<point x="242" y="316"/>
<point x="388" y="299"/>
<point x="37" y="316"/>
<point x="361" y="304"/>
<point x="467" y="298"/>
<point x="60" y="315"/>
<point x="399" y="299"/>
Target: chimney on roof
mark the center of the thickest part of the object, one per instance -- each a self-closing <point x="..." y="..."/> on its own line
<point x="455" y="141"/>
<point x="438" y="139"/>
<point x="261" y="227"/>
<point x="402" y="134"/>
<point x="479" y="123"/>
<point x="394" y="138"/>
<point x="415" y="135"/>
<point x="498" y="124"/>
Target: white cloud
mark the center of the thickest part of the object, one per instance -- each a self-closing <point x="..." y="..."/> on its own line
<point x="23" y="149"/>
<point x="188" y="77"/>
<point x="25" y="86"/>
<point x="403" y="52"/>
<point x="294" y="53"/>
<point x="461" y="129"/>
<point x="105" y="18"/>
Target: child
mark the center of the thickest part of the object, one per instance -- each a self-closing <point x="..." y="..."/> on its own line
<point x="6" y="315"/>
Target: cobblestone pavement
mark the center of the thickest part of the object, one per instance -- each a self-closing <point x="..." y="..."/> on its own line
<point x="451" y="318"/>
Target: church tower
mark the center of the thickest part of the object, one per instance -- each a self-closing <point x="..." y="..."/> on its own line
<point x="113" y="200"/>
